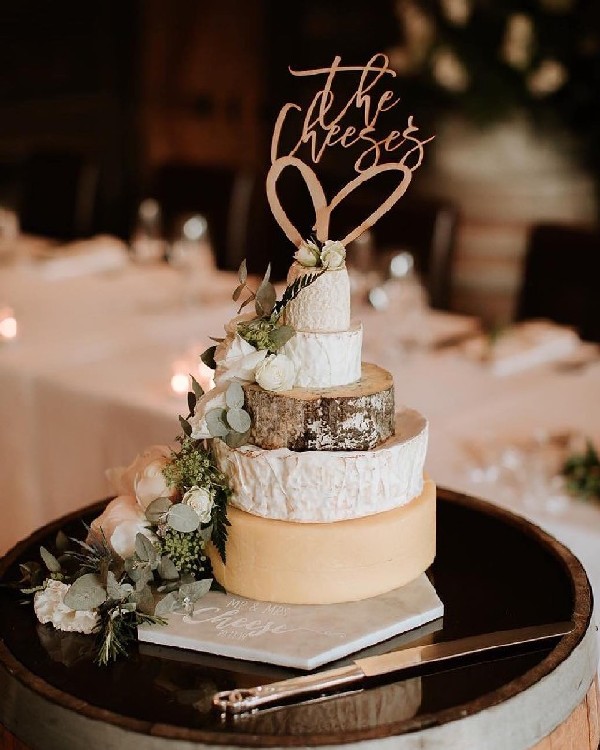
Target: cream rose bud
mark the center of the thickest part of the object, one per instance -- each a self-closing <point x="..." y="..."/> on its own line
<point x="122" y="478"/>
<point x="49" y="606"/>
<point x="120" y="523"/>
<point x="307" y="254"/>
<point x="333" y="255"/>
<point x="236" y="358"/>
<point x="200" y="500"/>
<point x="276" y="373"/>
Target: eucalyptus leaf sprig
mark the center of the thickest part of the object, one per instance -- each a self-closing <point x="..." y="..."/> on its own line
<point x="167" y="571"/>
<point x="265" y="330"/>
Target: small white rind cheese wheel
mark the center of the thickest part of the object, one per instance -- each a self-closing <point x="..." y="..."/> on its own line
<point x="324" y="360"/>
<point x="324" y="305"/>
<point x="293" y="563"/>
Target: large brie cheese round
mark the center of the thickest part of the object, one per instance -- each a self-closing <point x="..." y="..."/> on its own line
<point x="323" y="486"/>
<point x="295" y="563"/>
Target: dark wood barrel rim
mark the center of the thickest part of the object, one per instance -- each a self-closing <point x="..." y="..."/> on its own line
<point x="583" y="605"/>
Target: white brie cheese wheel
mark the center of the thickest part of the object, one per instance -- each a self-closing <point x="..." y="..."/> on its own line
<point x="322" y="486"/>
<point x="324" y="305"/>
<point x="296" y="563"/>
<point x="324" y="360"/>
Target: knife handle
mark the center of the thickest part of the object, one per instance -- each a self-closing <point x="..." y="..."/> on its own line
<point x="244" y="700"/>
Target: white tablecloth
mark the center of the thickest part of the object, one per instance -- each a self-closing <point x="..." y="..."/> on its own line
<point x="86" y="386"/>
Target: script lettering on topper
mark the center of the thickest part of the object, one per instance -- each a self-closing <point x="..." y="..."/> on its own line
<point x="322" y="126"/>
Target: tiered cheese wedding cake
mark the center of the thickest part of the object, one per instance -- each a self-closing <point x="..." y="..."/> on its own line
<point x="329" y="500"/>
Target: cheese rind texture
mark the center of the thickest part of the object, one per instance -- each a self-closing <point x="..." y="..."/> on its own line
<point x="324" y="360"/>
<point x="324" y="305"/>
<point x="293" y="563"/>
<point x="322" y="486"/>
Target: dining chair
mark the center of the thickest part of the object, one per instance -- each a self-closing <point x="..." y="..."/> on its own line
<point x="58" y="194"/>
<point x="221" y="193"/>
<point x="560" y="277"/>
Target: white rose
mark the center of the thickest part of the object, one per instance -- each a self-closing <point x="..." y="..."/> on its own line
<point x="151" y="483"/>
<point x="236" y="358"/>
<point x="49" y="606"/>
<point x="307" y="254"/>
<point x="276" y="373"/>
<point x="122" y="478"/>
<point x="46" y="601"/>
<point x="333" y="254"/>
<point x="122" y="520"/>
<point x="213" y="399"/>
<point x="200" y="500"/>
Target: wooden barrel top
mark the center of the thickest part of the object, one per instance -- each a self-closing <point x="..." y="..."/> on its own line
<point x="493" y="571"/>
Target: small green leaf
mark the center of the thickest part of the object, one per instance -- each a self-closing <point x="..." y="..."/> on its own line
<point x="243" y="272"/>
<point x="208" y="357"/>
<point x="144" y="600"/>
<point x="167" y="570"/>
<point x="166" y="605"/>
<point x="29" y="570"/>
<point x="191" y="400"/>
<point x="196" y="388"/>
<point x="195" y="590"/>
<point x="215" y="421"/>
<point x="235" y="439"/>
<point x="157" y="510"/>
<point x="239" y="420"/>
<point x="234" y="396"/>
<point x="245" y="302"/>
<point x="266" y="296"/>
<point x="144" y="548"/>
<point x="85" y="593"/>
<point x="140" y="573"/>
<point x="237" y="291"/>
<point x="183" y="518"/>
<point x="185" y="426"/>
<point x="62" y="542"/>
<point x="50" y="561"/>
<point x="116" y="590"/>
<point x="281" y="335"/>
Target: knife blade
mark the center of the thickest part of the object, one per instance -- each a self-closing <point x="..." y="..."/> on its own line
<point x="247" y="700"/>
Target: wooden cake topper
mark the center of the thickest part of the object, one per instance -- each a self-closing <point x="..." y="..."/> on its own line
<point x="323" y="127"/>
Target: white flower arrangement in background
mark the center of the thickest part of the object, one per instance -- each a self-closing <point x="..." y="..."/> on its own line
<point x="487" y="62"/>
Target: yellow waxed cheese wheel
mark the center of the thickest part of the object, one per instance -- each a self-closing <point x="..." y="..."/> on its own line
<point x="325" y="563"/>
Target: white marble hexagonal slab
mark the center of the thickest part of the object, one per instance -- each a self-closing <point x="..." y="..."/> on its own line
<point x="296" y="635"/>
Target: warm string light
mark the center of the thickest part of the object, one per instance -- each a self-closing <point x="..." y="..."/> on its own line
<point x="181" y="371"/>
<point x="8" y="324"/>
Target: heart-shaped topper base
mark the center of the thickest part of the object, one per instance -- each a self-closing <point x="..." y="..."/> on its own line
<point x="323" y="210"/>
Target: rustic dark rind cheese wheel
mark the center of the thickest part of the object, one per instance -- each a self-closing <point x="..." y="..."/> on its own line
<point x="358" y="416"/>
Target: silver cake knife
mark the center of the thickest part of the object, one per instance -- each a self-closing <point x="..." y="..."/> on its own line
<point x="246" y="700"/>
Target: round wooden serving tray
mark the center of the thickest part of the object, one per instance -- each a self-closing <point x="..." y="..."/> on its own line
<point x="493" y="571"/>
